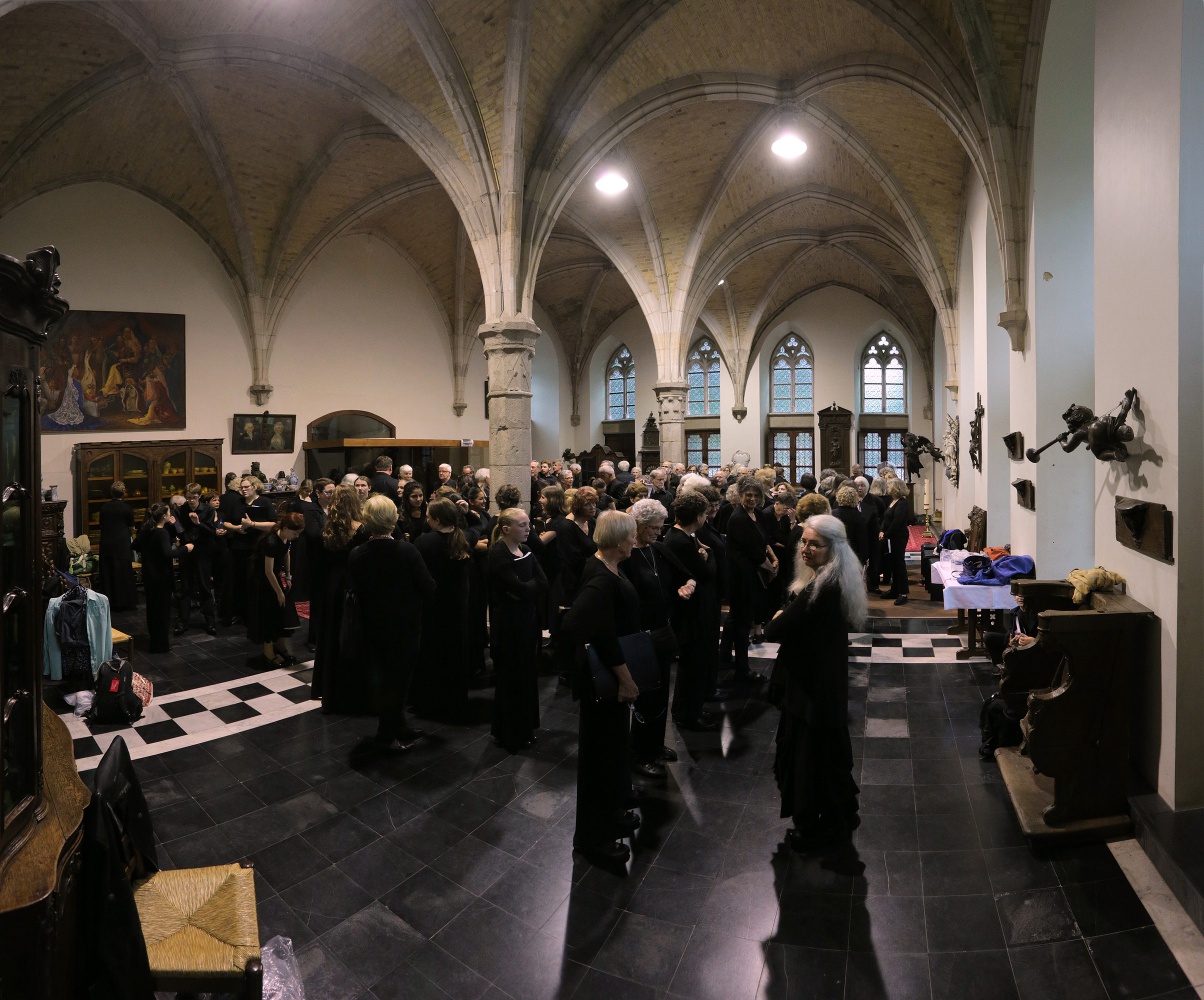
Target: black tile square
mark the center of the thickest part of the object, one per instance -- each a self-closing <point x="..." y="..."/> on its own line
<point x="248" y="691"/>
<point x="235" y="713"/>
<point x="288" y="862"/>
<point x="326" y="899"/>
<point x="180" y="819"/>
<point x="955" y="873"/>
<point x="1035" y="916"/>
<point x="511" y="831"/>
<point x="340" y="836"/>
<point x="238" y="801"/>
<point x="384" y="812"/>
<point x="983" y="975"/>
<point x="1015" y="868"/>
<point x="1136" y="963"/>
<point x="380" y="867"/>
<point x="372" y="942"/>
<point x="156" y="732"/>
<point x="717" y="966"/>
<point x="465" y="810"/>
<point x="887" y="925"/>
<point x="185" y="706"/>
<point x="946" y="642"/>
<point x="888" y="977"/>
<point x="1064" y="969"/>
<point x="427" y="901"/>
<point x="814" y="920"/>
<point x="1106" y="907"/>
<point x="297" y="694"/>
<point x="883" y="641"/>
<point x="644" y="950"/>
<point x="918" y="653"/>
<point x="946" y="832"/>
<point x="787" y="966"/>
<point x="426" y="837"/>
<point x="85" y="746"/>
<point x="942" y="800"/>
<point x="276" y="785"/>
<point x="962" y="923"/>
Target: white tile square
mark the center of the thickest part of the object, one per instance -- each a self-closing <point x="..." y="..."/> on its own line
<point x="218" y="699"/>
<point x="76" y="726"/>
<point x="199" y="722"/>
<point x="278" y="680"/>
<point x="270" y="703"/>
<point x="880" y="693"/>
<point x="886" y="728"/>
<point x="152" y="713"/>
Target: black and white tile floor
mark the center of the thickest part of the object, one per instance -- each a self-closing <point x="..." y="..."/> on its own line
<point x="447" y="872"/>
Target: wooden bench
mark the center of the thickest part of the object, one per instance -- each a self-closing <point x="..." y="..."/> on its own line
<point x="120" y="638"/>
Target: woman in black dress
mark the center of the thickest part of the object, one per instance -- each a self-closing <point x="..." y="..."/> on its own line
<point x="480" y="534"/>
<point x="895" y="523"/>
<point x="814" y="760"/>
<point x="272" y="612"/>
<point x="249" y="518"/>
<point x="157" y="547"/>
<point x="301" y="504"/>
<point x="391" y="585"/>
<point x="515" y="583"/>
<point x="606" y="608"/>
<point x="411" y="521"/>
<point x="440" y="686"/>
<point x="747" y="548"/>
<point x="332" y="681"/>
<point x="116" y="577"/>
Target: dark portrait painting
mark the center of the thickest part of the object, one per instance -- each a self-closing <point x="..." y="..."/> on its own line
<point x="259" y="433"/>
<point x="113" y="371"/>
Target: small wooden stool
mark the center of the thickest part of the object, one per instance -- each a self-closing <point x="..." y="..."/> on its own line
<point x="120" y="638"/>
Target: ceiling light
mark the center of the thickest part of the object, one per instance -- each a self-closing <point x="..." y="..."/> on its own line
<point x="789" y="144"/>
<point x="611" y="182"/>
<point x="720" y="281"/>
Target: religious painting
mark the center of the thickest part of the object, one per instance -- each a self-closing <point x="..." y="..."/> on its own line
<point x="113" y="371"/>
<point x="262" y="433"/>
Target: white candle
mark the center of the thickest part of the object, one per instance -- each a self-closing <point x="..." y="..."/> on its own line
<point x="927" y="494"/>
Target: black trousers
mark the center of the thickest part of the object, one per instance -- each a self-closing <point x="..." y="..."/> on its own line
<point x="394" y="670"/>
<point x="194" y="583"/>
<point x="235" y="594"/>
<point x="158" y="614"/>
<point x="898" y="567"/>
<point x="603" y="772"/>
<point x="996" y="644"/>
<point x="652" y="715"/>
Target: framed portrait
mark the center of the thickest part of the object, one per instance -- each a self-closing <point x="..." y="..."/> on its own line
<point x="262" y="433"/>
<point x="113" y="371"/>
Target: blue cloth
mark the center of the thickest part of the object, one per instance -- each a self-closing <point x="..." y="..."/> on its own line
<point x="979" y="571"/>
<point x="100" y="636"/>
<point x="952" y="539"/>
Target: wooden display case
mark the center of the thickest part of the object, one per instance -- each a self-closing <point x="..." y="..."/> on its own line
<point x="153" y="472"/>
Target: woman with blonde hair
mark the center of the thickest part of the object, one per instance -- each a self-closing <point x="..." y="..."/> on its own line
<point x="810" y="684"/>
<point x="516" y="581"/>
<point x="894" y="531"/>
<point x="440" y="686"/>
<point x="342" y="533"/>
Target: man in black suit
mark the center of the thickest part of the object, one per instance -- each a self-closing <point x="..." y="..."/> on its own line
<point x="382" y="480"/>
<point x="617" y="488"/>
<point x="659" y="492"/>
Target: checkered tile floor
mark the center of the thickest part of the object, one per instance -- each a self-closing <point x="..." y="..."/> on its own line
<point x="186" y="718"/>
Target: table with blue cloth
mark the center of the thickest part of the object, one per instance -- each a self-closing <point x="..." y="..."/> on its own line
<point x="971" y="601"/>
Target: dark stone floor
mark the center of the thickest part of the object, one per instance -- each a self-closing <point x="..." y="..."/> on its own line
<point x="448" y="871"/>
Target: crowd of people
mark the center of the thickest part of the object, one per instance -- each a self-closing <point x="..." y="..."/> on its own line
<point x="408" y="589"/>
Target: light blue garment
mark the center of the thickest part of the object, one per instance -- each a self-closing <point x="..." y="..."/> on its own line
<point x="100" y="636"/>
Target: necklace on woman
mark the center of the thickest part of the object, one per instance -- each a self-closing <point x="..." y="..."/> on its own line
<point x="650" y="556"/>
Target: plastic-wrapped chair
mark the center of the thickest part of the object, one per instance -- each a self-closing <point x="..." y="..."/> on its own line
<point x="195" y="930"/>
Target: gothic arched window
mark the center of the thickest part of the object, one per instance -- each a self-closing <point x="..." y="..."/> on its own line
<point x="883" y="377"/>
<point x="702" y="373"/>
<point x="620" y="386"/>
<point x="791" y="376"/>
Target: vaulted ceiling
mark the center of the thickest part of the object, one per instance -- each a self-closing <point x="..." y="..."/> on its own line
<point x="467" y="135"/>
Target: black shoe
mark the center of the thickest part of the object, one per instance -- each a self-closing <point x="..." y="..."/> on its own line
<point x="750" y="677"/>
<point x="649" y="769"/>
<point x="604" y="854"/>
<point x="806" y="840"/>
<point x="288" y="658"/>
<point x="180" y="629"/>
<point x="901" y="599"/>
<point x="409" y="735"/>
<point x="667" y="755"/>
<point x="392" y="746"/>
<point x="629" y="822"/>
<point x="210" y="629"/>
<point x="719" y="694"/>
<point x="705" y="723"/>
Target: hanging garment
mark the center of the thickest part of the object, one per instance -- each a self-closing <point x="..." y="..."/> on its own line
<point x="99" y="631"/>
<point x="71" y="630"/>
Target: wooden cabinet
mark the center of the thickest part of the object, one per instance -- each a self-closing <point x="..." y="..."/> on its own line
<point x="42" y="799"/>
<point x="153" y="472"/>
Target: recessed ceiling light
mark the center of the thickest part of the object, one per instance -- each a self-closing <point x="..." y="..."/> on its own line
<point x="721" y="281"/>
<point x="611" y="182"/>
<point x="789" y="144"/>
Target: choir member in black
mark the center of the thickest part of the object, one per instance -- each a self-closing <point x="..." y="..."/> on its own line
<point x="479" y="528"/>
<point x="855" y="526"/>
<point x="895" y="523"/>
<point x="633" y="493"/>
<point x="299" y="556"/>
<point x="196" y="523"/>
<point x="696" y="621"/>
<point x="157" y="547"/>
<point x="606" y="608"/>
<point x="221" y="554"/>
<point x="516" y="582"/>
<point x="115" y="578"/>
<point x="574" y="540"/>
<point x="747" y="550"/>
<point x="249" y="520"/>
<point x="343" y="532"/>
<point x="710" y="536"/>
<point x="814" y="759"/>
<point x="542" y="542"/>
<point x="229" y="512"/>
<point x="781" y="524"/>
<point x="315" y="555"/>
<point x="872" y="509"/>
<point x="272" y="614"/>
<point x="392" y="586"/>
<point x="657" y="578"/>
<point x="412" y="520"/>
<point x="508" y="496"/>
<point x="809" y="504"/>
<point x="382" y="480"/>
<point x="440" y="686"/>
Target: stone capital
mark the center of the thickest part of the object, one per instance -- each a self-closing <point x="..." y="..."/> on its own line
<point x="509" y="353"/>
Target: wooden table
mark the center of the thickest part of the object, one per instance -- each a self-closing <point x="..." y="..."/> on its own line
<point x="120" y="637"/>
<point x="970" y="601"/>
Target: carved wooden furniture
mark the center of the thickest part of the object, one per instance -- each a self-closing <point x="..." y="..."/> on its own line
<point x="52" y="537"/>
<point x="1033" y="667"/>
<point x="153" y="472"/>
<point x="42" y="799"/>
<point x="835" y="437"/>
<point x="650" y="444"/>
<point x="1070" y="778"/>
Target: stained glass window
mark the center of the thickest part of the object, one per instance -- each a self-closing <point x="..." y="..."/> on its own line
<point x="620" y="385"/>
<point x="703" y="447"/>
<point x="883" y="377"/>
<point x="873" y="453"/>
<point x="794" y="451"/>
<point x="791" y="377"/>
<point x="702" y="374"/>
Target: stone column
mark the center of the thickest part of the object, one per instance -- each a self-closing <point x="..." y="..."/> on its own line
<point x="509" y="351"/>
<point x="671" y="402"/>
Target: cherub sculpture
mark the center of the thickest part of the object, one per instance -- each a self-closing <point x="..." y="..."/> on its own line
<point x="915" y="445"/>
<point x="1106" y="436"/>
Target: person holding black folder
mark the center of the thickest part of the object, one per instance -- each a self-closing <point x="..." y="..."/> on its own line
<point x="606" y="608"/>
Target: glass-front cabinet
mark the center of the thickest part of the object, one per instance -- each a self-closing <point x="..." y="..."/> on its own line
<point x="153" y="472"/>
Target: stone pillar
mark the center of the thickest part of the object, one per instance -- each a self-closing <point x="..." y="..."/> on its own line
<point x="509" y="352"/>
<point x="671" y="402"/>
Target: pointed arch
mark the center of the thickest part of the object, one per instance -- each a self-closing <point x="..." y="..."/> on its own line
<point x="620" y="385"/>
<point x="791" y="376"/>
<point x="882" y="376"/>
<point x="702" y="377"/>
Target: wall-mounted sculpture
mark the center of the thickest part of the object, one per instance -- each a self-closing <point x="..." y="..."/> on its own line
<point x="1015" y="443"/>
<point x="976" y="436"/>
<point x="1026" y="493"/>
<point x="949" y="448"/>
<point x="1146" y="527"/>
<point x="915" y="445"/>
<point x="1106" y="436"/>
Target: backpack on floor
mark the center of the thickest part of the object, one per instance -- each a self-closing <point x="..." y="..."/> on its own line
<point x="1000" y="726"/>
<point x="116" y="703"/>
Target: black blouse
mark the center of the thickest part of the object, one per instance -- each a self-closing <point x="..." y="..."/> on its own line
<point x="607" y="607"/>
<point x="655" y="581"/>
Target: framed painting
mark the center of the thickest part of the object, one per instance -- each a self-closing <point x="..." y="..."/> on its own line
<point x="113" y="371"/>
<point x="262" y="433"/>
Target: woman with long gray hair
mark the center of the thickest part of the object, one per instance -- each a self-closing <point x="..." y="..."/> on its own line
<point x="814" y="761"/>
